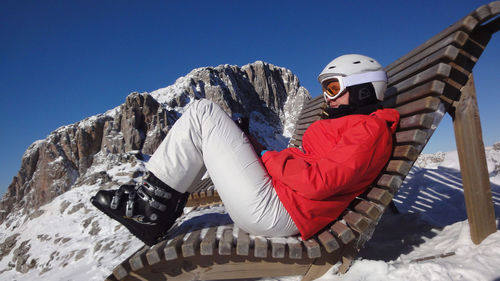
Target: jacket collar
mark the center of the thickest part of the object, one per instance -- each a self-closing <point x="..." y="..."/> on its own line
<point x="390" y="115"/>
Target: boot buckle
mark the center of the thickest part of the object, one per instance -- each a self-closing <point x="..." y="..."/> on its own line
<point x="129" y="209"/>
<point x="116" y="199"/>
<point x="156" y="190"/>
<point x="153" y="203"/>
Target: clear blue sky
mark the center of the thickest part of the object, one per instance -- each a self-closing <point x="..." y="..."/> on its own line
<point x="62" y="61"/>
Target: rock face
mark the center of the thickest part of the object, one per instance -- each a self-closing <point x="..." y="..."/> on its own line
<point x="271" y="96"/>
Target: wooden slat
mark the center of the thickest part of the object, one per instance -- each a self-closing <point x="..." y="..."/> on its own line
<point x="138" y="260"/>
<point x="172" y="249"/>
<point x="208" y="242"/>
<point x="368" y="209"/>
<point x="121" y="271"/>
<point x="446" y="54"/>
<point x="191" y="202"/>
<point x="409" y="91"/>
<point x="418" y="76"/>
<point x="192" y="244"/>
<point x="204" y="184"/>
<point x="226" y="242"/>
<point x="311" y="107"/>
<point x="482" y="13"/>
<point x="312" y="248"/>
<point x="412" y="136"/>
<point x="407" y="152"/>
<point x="466" y="24"/>
<point x="203" y="195"/>
<point x="314" y="102"/>
<point x="260" y="244"/>
<point x="277" y="248"/>
<point x="428" y="104"/>
<point x="156" y="254"/>
<point x="243" y="243"/>
<point x="417" y="121"/>
<point x="380" y="196"/>
<point x="195" y="195"/>
<point x="433" y="53"/>
<point x="328" y="241"/>
<point x="400" y="167"/>
<point x="308" y="120"/>
<point x="342" y="232"/>
<point x="294" y="248"/>
<point x="298" y="138"/>
<point x="295" y="143"/>
<point x="494" y="8"/>
<point x="356" y="221"/>
<point x="316" y="110"/>
<point x="302" y="127"/>
<point x="298" y="135"/>
<point x="390" y="182"/>
<point x="210" y="193"/>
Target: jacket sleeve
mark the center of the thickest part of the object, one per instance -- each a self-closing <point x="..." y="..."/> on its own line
<point x="343" y="166"/>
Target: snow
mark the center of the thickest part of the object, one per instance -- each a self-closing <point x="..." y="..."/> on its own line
<point x="448" y="255"/>
<point x="70" y="240"/>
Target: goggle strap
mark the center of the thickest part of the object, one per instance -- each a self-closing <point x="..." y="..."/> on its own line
<point x="372" y="76"/>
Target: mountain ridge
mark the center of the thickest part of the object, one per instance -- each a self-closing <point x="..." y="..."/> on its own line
<point x="267" y="94"/>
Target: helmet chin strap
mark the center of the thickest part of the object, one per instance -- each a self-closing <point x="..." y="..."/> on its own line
<point x="341" y="111"/>
<point x="346" y="109"/>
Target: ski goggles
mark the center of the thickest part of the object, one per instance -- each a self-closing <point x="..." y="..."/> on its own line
<point x="336" y="85"/>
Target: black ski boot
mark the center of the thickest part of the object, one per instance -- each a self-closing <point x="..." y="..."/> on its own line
<point x="147" y="210"/>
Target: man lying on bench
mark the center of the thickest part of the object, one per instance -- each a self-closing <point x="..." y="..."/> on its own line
<point x="269" y="193"/>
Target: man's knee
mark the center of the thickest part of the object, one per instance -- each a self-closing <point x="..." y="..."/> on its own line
<point x="203" y="103"/>
<point x="205" y="106"/>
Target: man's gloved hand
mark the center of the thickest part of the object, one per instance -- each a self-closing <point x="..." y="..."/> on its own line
<point x="244" y="124"/>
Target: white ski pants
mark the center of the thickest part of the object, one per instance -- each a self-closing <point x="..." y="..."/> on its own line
<point x="204" y="139"/>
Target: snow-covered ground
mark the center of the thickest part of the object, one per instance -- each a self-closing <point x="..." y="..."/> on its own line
<point x="68" y="239"/>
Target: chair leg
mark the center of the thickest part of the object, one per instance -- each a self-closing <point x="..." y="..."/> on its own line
<point x="321" y="265"/>
<point x="317" y="269"/>
<point x="472" y="158"/>
<point x="346" y="264"/>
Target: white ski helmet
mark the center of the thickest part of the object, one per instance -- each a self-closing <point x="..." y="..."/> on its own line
<point x="354" y="69"/>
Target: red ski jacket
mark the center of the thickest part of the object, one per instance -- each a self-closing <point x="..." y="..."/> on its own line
<point x="340" y="159"/>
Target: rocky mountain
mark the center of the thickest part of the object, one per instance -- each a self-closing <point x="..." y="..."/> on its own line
<point x="46" y="220"/>
<point x="271" y="96"/>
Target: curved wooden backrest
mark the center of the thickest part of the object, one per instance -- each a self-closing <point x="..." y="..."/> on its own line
<point x="423" y="85"/>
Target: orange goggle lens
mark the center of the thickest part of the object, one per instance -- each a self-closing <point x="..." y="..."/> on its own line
<point x="332" y="88"/>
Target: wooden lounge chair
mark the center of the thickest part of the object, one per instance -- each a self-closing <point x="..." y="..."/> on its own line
<point x="430" y="81"/>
